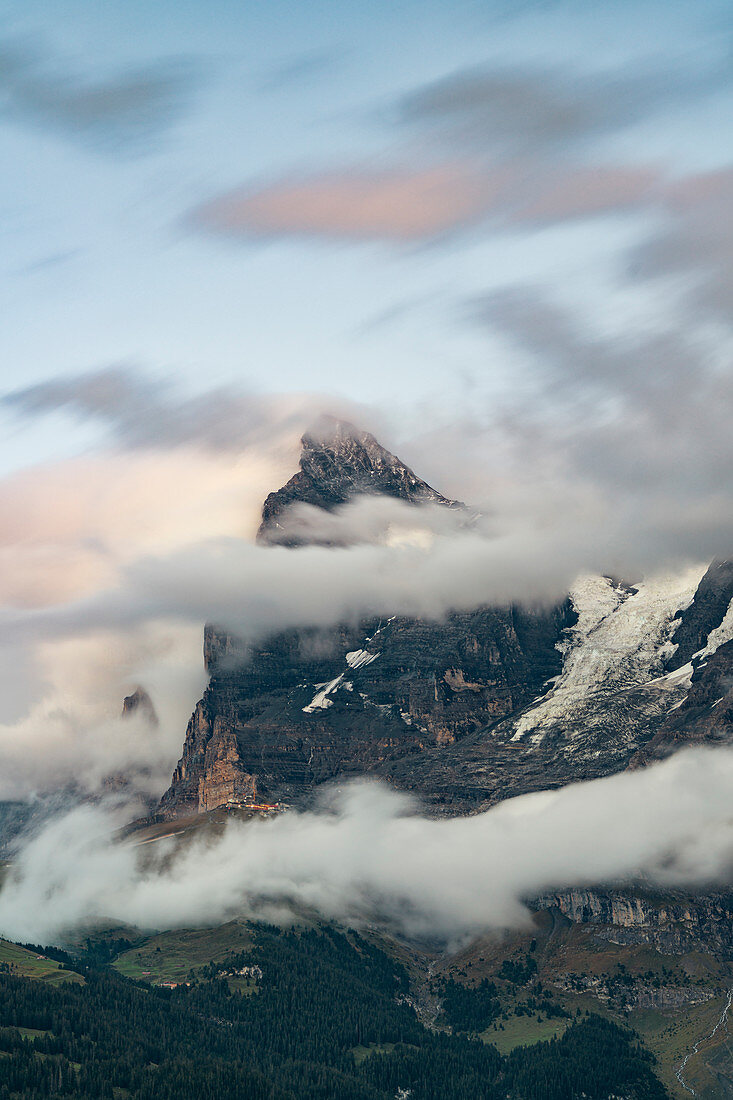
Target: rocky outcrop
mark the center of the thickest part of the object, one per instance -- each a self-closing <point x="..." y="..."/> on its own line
<point x="140" y="703"/>
<point x="337" y="463"/>
<point x="210" y="772"/>
<point x="223" y="780"/>
<point x="673" y="923"/>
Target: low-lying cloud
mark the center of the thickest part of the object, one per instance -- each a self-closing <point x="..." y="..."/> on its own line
<point x="369" y="854"/>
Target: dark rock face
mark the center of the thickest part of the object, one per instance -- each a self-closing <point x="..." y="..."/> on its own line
<point x="139" y="703"/>
<point x="705" y="716"/>
<point x="706" y="611"/>
<point x="308" y="705"/>
<point x="337" y="463"/>
<point x="311" y="705"/>
<point x="707" y="712"/>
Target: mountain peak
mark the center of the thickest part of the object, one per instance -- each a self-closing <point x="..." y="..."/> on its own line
<point x="337" y="463"/>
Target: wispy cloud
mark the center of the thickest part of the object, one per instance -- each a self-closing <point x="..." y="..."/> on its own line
<point x="353" y="204"/>
<point x="408" y="206"/>
<point x="625" y="414"/>
<point x="695" y="243"/>
<point x="301" y="69"/>
<point x="122" y="112"/>
<point x="541" y="110"/>
<point x="513" y="148"/>
<point x="140" y="410"/>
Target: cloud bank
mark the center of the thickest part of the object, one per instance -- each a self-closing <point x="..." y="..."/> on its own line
<point x="368" y="854"/>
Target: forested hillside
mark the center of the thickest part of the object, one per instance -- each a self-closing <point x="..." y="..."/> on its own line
<point x="317" y="1014"/>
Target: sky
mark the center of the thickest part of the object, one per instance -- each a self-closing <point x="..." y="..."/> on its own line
<point x="315" y="198"/>
<point x="497" y="234"/>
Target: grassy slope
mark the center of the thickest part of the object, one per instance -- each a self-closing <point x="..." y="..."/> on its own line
<point x="523" y="1031"/>
<point x="169" y="956"/>
<point x="28" y="965"/>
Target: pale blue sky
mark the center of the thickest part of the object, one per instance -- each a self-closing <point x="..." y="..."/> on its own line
<point x="103" y="263"/>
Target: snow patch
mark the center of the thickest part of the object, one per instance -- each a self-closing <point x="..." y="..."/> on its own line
<point x="621" y="640"/>
<point x="357" y="658"/>
<point x="321" y="699"/>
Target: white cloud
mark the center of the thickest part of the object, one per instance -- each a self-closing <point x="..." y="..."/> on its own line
<point x="368" y="853"/>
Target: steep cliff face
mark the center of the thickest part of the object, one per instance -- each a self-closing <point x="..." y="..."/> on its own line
<point x="674" y="924"/>
<point x="210" y="772"/>
<point x="310" y="705"/>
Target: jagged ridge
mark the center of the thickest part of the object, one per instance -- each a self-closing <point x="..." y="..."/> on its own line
<point x="337" y="463"/>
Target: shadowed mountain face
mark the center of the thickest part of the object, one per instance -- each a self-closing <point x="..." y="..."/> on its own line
<point x="306" y="706"/>
<point x="338" y="463"/>
<point x="310" y="705"/>
<point x="464" y="711"/>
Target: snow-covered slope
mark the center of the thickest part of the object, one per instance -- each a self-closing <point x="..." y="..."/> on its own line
<point x="621" y="641"/>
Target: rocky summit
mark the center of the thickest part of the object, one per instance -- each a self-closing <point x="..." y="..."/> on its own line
<point x="484" y="704"/>
<point x="338" y="463"/>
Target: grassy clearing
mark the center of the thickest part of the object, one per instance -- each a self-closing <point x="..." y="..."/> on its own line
<point x="520" y="1031"/>
<point x="360" y="1053"/>
<point x="171" y="956"/>
<point x="27" y="964"/>
<point x="31" y="1032"/>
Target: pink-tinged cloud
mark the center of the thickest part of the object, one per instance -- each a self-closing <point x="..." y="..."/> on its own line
<point x="588" y="192"/>
<point x="407" y="205"/>
<point x="694" y="193"/>
<point x="400" y="205"/>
